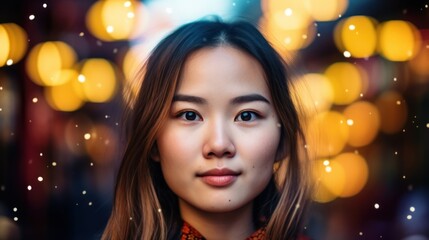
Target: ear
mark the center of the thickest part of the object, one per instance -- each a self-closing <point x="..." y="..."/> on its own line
<point x="154" y="153"/>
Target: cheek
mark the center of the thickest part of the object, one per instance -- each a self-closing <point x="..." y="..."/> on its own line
<point x="262" y="146"/>
<point x="175" y="146"/>
<point x="176" y="150"/>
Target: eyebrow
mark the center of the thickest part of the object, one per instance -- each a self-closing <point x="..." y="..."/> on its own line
<point x="237" y="100"/>
<point x="189" y="98"/>
<point x="249" y="98"/>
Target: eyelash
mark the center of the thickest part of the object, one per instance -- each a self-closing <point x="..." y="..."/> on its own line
<point x="182" y="115"/>
<point x="253" y="115"/>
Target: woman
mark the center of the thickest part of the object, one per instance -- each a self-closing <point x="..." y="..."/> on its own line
<point x="214" y="142"/>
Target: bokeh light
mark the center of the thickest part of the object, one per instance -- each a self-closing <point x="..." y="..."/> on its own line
<point x="419" y="64"/>
<point x="98" y="79"/>
<point x="13" y="39"/>
<point x="355" y="168"/>
<point x="285" y="40"/>
<point x="330" y="179"/>
<point x="313" y="93"/>
<point x="346" y="80"/>
<point x="327" y="10"/>
<point x="345" y="175"/>
<point x="357" y="35"/>
<point x="363" y="119"/>
<point x="398" y="40"/>
<point x="47" y="61"/>
<point x="64" y="97"/>
<point x="287" y="24"/>
<point x="327" y="134"/>
<point x="112" y="20"/>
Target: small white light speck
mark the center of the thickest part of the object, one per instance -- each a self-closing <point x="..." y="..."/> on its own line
<point x="396" y="153"/>
<point x="91" y="164"/>
<point x="288" y="12"/>
<point x="127" y="4"/>
<point x="360" y="233"/>
<point x="412" y="209"/>
<point x="409" y="217"/>
<point x="54" y="164"/>
<point x="41" y="154"/>
<point x="83" y="192"/>
<point x="398" y="102"/>
<point x="347" y="54"/>
<point x="87" y="136"/>
<point x="326" y="162"/>
<point x="31" y="17"/>
<point x="45" y="5"/>
<point x="427" y="125"/>
<point x="395" y="79"/>
<point x="110" y="29"/>
<point x="318" y="34"/>
<point x="9" y="62"/>
<point x="90" y="204"/>
<point x="15" y="209"/>
<point x="29" y="187"/>
<point x="350" y="122"/>
<point x="81" y="78"/>
<point x="40" y="179"/>
<point x="35" y="100"/>
<point x="81" y="34"/>
<point x="376" y="206"/>
<point x="352" y="27"/>
<point x="15" y="219"/>
<point x="328" y="169"/>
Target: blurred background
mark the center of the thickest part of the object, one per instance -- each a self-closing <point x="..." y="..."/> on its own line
<point x="360" y="70"/>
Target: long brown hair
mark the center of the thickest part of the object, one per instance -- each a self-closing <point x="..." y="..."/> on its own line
<point x="144" y="207"/>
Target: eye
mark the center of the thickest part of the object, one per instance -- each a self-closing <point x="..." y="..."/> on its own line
<point x="189" y="116"/>
<point x="247" y="116"/>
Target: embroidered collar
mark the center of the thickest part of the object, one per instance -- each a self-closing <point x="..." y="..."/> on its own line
<point x="190" y="233"/>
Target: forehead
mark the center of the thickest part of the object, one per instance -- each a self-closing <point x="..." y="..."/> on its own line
<point x="221" y="69"/>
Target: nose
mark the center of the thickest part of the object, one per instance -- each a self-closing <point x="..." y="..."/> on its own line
<point x="218" y="142"/>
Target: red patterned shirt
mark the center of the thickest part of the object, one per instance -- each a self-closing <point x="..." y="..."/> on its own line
<point x="190" y="233"/>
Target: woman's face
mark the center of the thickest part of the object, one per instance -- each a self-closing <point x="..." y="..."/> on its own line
<point x="218" y="146"/>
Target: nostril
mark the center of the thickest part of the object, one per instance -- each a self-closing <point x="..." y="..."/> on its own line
<point x="227" y="154"/>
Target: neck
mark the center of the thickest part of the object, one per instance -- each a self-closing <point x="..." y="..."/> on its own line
<point x="237" y="224"/>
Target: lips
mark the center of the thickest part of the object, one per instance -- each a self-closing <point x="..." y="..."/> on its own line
<point x="219" y="177"/>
